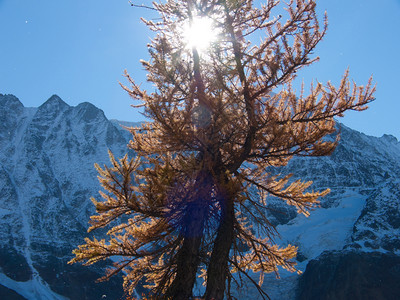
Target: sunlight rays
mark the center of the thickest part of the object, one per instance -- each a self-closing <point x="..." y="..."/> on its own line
<point x="200" y="34"/>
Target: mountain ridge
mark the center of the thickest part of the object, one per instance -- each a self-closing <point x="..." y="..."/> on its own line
<point x="47" y="178"/>
<point x="47" y="182"/>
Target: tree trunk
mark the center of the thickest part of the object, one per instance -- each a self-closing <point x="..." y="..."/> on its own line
<point x="217" y="272"/>
<point x="188" y="257"/>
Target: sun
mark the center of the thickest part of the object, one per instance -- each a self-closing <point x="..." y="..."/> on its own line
<point x="200" y="34"/>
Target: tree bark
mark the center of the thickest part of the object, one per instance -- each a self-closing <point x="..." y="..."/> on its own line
<point x="188" y="257"/>
<point x="218" y="268"/>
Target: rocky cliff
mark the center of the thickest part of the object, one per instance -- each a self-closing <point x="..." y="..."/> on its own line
<point x="357" y="222"/>
<point x="47" y="178"/>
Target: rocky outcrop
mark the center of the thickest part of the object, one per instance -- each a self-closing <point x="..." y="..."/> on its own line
<point x="378" y="226"/>
<point x="361" y="213"/>
<point x="47" y="177"/>
<point x="351" y="275"/>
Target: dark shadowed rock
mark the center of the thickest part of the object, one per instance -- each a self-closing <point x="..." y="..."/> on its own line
<point x="351" y="275"/>
<point x="14" y="264"/>
<point x="7" y="294"/>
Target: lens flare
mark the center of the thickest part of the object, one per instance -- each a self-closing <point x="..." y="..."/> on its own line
<point x="200" y="34"/>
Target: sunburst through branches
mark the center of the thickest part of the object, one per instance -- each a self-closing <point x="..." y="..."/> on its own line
<point x="197" y="196"/>
<point x="200" y="33"/>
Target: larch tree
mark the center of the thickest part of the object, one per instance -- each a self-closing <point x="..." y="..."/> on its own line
<point x="193" y="202"/>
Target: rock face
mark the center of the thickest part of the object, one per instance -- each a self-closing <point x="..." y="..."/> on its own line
<point x="363" y="171"/>
<point x="351" y="275"/>
<point x="356" y="228"/>
<point x="358" y="219"/>
<point x="47" y="178"/>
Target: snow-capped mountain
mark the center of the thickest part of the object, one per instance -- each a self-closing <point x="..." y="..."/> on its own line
<point x="47" y="178"/>
<point x="358" y="222"/>
<point x="363" y="209"/>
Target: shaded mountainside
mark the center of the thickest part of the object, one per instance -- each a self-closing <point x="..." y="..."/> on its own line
<point x="351" y="275"/>
<point x="358" y="221"/>
<point x="363" y="175"/>
<point x="47" y="178"/>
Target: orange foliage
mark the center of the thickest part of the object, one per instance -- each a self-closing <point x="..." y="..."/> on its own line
<point x="219" y="120"/>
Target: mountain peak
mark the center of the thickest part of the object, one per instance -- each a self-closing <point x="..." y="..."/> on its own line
<point x="390" y="138"/>
<point x="54" y="102"/>
<point x="10" y="101"/>
<point x="88" y="112"/>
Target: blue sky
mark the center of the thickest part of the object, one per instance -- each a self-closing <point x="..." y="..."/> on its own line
<point x="78" y="49"/>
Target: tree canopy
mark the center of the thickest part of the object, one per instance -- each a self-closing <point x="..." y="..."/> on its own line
<point x="193" y="201"/>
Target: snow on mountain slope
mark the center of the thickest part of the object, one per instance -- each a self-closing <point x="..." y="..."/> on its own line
<point x="326" y="228"/>
<point x="35" y="288"/>
<point x="47" y="177"/>
<point x="378" y="226"/>
<point x="362" y="212"/>
<point x="362" y="174"/>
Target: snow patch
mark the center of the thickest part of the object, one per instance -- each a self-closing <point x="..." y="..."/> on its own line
<point x="32" y="289"/>
<point x="325" y="229"/>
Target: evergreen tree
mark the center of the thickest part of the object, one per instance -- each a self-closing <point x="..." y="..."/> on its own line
<point x="193" y="201"/>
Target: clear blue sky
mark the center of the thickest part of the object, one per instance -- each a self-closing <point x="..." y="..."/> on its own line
<point x="79" y="49"/>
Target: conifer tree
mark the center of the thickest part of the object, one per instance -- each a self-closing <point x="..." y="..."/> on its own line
<point x="193" y="201"/>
